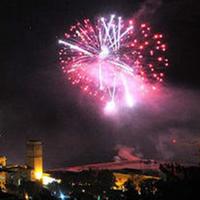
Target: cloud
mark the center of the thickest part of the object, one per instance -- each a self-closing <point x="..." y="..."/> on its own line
<point x="148" y="8"/>
<point x="126" y="153"/>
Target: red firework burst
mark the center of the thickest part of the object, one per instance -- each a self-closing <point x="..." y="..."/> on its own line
<point x="113" y="60"/>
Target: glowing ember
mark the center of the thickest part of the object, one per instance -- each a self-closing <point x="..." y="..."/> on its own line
<point x="113" y="60"/>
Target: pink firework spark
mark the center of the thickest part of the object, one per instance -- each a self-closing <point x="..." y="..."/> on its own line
<point x="113" y="60"/>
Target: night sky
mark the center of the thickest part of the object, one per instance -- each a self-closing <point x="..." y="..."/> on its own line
<point x="36" y="101"/>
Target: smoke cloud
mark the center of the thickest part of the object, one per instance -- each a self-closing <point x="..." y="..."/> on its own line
<point x="147" y="9"/>
<point x="166" y="126"/>
<point x="126" y="153"/>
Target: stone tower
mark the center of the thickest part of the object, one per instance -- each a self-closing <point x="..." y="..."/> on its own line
<point x="34" y="159"/>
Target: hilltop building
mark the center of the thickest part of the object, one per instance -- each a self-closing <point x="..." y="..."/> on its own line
<point x="13" y="174"/>
<point x="34" y="159"/>
<point x="2" y="173"/>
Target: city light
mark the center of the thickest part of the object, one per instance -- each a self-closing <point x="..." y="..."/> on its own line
<point x="38" y="175"/>
<point x="62" y="196"/>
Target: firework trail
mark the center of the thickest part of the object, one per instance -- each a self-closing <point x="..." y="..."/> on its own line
<point x="113" y="60"/>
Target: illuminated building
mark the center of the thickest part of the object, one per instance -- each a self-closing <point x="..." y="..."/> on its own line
<point x="136" y="179"/>
<point x="2" y="173"/>
<point x="13" y="176"/>
<point x="34" y="159"/>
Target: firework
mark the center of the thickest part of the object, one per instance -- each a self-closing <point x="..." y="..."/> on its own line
<point x="113" y="60"/>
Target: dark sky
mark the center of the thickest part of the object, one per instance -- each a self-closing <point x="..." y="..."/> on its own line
<point x="36" y="102"/>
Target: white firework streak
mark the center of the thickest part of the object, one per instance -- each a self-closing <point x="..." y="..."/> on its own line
<point x="107" y="28"/>
<point x="122" y="66"/>
<point x="110" y="38"/>
<point x="119" y="31"/>
<point x="114" y="35"/>
<point x="128" y="97"/>
<point x="121" y="36"/>
<point x="75" y="47"/>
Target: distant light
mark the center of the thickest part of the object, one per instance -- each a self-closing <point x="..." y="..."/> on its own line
<point x="98" y="198"/>
<point x="26" y="196"/>
<point x="38" y="175"/>
<point x="62" y="196"/>
<point x="47" y="180"/>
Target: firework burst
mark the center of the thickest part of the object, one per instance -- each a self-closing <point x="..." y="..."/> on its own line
<point x="113" y="60"/>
